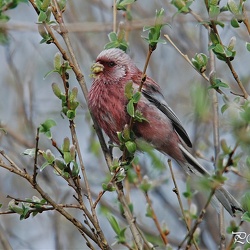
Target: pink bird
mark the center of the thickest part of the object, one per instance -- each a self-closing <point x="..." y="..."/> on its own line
<point x="112" y="71"/>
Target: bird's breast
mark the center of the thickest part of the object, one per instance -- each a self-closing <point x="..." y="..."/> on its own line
<point x="108" y="104"/>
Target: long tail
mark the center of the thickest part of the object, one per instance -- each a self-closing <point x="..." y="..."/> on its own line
<point x="225" y="198"/>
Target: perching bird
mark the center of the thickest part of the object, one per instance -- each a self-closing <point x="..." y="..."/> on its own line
<point x="162" y="129"/>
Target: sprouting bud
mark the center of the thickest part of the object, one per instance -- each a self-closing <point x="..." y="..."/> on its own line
<point x="66" y="144"/>
<point x="62" y="4"/>
<point x="42" y="31"/>
<point x="214" y="2"/>
<point x="146" y="184"/>
<point x="72" y="150"/>
<point x="233" y="7"/>
<point x="126" y="132"/>
<point x="193" y="209"/>
<point x="60" y="164"/>
<point x="232" y="43"/>
<point x="13" y="206"/>
<point x="212" y="77"/>
<point x="56" y="89"/>
<point x="74" y="105"/>
<point x="57" y="61"/>
<point x="202" y="62"/>
<point x="130" y="146"/>
<point x="180" y="5"/>
<point x="74" y="93"/>
<point x="225" y="147"/>
<point x="45" y="4"/>
<point x="197" y="232"/>
<point x="49" y="156"/>
<point x="36" y="199"/>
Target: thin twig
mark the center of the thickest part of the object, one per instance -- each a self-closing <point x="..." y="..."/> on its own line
<point x="217" y="148"/>
<point x="81" y="228"/>
<point x="114" y="16"/>
<point x="64" y="34"/>
<point x="149" y="202"/>
<point x="176" y="191"/>
<point x="190" y="235"/>
<point x="245" y="18"/>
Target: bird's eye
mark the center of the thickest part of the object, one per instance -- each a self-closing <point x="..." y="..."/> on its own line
<point x="111" y="64"/>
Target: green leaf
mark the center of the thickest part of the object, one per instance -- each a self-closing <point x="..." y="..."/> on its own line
<point x="62" y="4"/>
<point x="71" y="114"/>
<point x="136" y="97"/>
<point x="114" y="224"/>
<point x="30" y="152"/>
<point x="214" y="38"/>
<point x="218" y="84"/>
<point x="154" y="32"/>
<point x="112" y="36"/>
<point x="246" y="217"/>
<point x="45" y="4"/>
<point x="131" y="108"/>
<point x="219" y="49"/>
<point x="75" y="170"/>
<point x="42" y="17"/>
<point x="139" y="116"/>
<point x="131" y="146"/>
<point x="235" y="23"/>
<point x="145" y="185"/>
<point x="149" y="212"/>
<point x="45" y="164"/>
<point x="245" y="201"/>
<point x="46" y="126"/>
<point x="108" y="187"/>
<point x="248" y="46"/>
<point x="214" y="11"/>
<point x="67" y="157"/>
<point x="224" y="108"/>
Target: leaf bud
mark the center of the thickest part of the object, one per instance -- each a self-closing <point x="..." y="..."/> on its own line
<point x="56" y="89"/>
<point x="66" y="144"/>
<point x="232" y="43"/>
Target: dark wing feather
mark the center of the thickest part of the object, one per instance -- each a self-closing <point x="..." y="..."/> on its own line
<point x="157" y="99"/>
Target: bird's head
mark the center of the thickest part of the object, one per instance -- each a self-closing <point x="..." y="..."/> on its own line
<point x="112" y="65"/>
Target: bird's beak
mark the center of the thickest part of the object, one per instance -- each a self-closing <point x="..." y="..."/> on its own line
<point x="96" y="68"/>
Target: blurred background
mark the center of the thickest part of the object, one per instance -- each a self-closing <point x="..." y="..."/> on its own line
<point x="26" y="100"/>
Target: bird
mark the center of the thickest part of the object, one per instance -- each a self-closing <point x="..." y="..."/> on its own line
<point x="161" y="128"/>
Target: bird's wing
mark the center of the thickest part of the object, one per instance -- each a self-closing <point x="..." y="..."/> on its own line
<point x="154" y="96"/>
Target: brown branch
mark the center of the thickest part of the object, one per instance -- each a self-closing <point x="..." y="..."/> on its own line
<point x="36" y="156"/>
<point x="216" y="140"/>
<point x="163" y="234"/>
<point x="245" y="18"/>
<point x="189" y="61"/>
<point x="81" y="228"/>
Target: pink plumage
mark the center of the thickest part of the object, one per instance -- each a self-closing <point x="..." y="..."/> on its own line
<point x="112" y="71"/>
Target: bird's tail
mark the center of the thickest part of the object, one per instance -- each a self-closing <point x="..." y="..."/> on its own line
<point x="192" y="166"/>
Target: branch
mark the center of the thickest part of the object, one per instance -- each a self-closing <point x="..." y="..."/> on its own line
<point x="176" y="191"/>
<point x="81" y="228"/>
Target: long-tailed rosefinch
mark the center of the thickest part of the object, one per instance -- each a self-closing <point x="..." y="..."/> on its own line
<point x="162" y="129"/>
